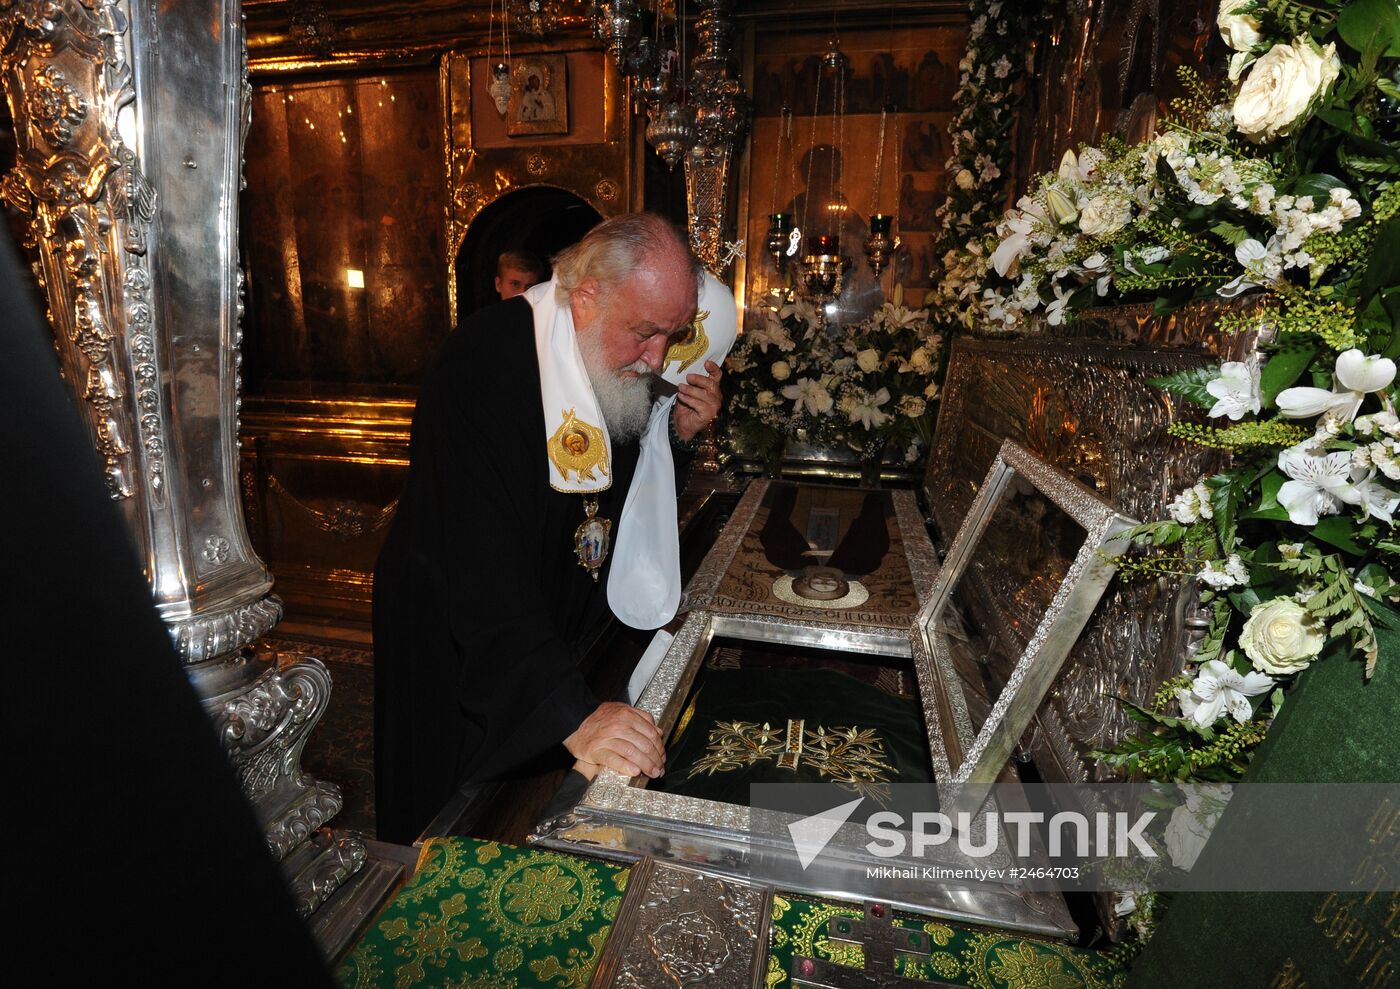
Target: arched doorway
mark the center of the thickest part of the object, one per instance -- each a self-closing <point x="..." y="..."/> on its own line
<point x="539" y="219"/>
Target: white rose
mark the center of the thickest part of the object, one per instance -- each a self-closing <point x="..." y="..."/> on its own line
<point x="766" y="400"/>
<point x="1104" y="215"/>
<point x="1240" y="31"/>
<point x="912" y="406"/>
<point x="868" y="360"/>
<point x="921" y="362"/>
<point x="1280" y="638"/>
<point x="965" y="179"/>
<point x="781" y="370"/>
<point x="1281" y="86"/>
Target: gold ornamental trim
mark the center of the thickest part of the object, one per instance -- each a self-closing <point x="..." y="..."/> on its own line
<point x="578" y="447"/>
<point x="691" y="347"/>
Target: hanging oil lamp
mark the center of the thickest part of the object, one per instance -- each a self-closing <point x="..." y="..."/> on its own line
<point x="824" y="269"/>
<point x="671" y="131"/>
<point x="500" y="87"/>
<point x="880" y="245"/>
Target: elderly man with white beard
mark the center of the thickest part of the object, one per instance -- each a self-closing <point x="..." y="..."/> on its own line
<point x="519" y="534"/>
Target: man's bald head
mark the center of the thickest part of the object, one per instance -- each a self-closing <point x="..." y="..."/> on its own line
<point x="621" y="248"/>
<point x="631" y="286"/>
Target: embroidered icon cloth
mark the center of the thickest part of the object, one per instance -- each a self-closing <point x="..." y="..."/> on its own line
<point x="484" y="914"/>
<point x="961" y="956"/>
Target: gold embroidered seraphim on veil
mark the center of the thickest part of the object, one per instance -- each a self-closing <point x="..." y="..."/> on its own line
<point x="690" y="347"/>
<point x="578" y="447"/>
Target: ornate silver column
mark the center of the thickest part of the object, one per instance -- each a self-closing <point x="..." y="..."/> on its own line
<point x="129" y="119"/>
<point x="721" y="116"/>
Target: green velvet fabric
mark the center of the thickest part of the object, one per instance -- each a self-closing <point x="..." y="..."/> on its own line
<point x="481" y="915"/>
<point x="1335" y="728"/>
<point x="961" y="956"/>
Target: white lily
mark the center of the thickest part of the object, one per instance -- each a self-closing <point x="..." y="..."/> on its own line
<point x="1319" y="485"/>
<point x="1261" y="266"/>
<point x="1378" y="500"/>
<point x="1358" y="375"/>
<point x="1218" y="690"/>
<point x="1015" y="231"/>
<point x="1055" y="310"/>
<point x="803" y="310"/>
<point x="810" y="394"/>
<point x="1192" y="822"/>
<point x="1096" y="266"/>
<point x="867" y="412"/>
<point x="1236" y="391"/>
<point x="771" y="332"/>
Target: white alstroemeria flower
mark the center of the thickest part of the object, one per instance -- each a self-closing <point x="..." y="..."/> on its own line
<point x="1218" y="690"/>
<point x="1015" y="232"/>
<point x="1381" y="456"/>
<point x="1262" y="265"/>
<point x="808" y="394"/>
<point x="1096" y="266"/>
<point x="1147" y="255"/>
<point x="866" y="410"/>
<point x="1358" y="376"/>
<point x="1055" y="309"/>
<point x="1236" y="391"/>
<point x="1319" y="485"/>
<point x="1366" y="492"/>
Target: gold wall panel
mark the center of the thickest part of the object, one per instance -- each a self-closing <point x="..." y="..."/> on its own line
<point x="321" y="480"/>
<point x="595" y="160"/>
<point x="343" y="237"/>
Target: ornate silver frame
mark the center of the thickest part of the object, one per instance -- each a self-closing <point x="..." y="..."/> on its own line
<point x="618" y="817"/>
<point x="977" y="758"/>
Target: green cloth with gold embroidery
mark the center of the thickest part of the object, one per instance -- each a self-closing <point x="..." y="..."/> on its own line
<point x="979" y="959"/>
<point x="740" y="722"/>
<point x="481" y="915"/>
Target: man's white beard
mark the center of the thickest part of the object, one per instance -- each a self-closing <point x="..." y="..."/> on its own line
<point x="624" y="402"/>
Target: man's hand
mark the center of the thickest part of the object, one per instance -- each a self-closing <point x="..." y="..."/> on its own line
<point x="619" y="737"/>
<point x="697" y="402"/>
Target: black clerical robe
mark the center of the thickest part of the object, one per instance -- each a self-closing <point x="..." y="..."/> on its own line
<point x="479" y="601"/>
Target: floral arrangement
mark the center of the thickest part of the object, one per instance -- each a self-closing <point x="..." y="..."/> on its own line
<point x="979" y="167"/>
<point x="779" y="380"/>
<point x="869" y="388"/>
<point x="1283" y="187"/>
<point x="1278" y="187"/>
<point x="886" y="381"/>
